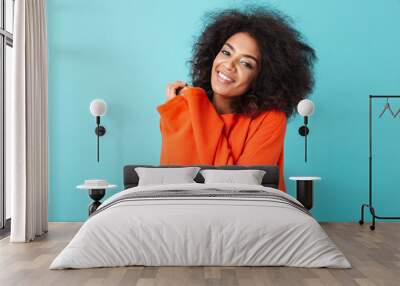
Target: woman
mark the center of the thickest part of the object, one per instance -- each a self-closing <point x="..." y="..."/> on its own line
<point x="249" y="71"/>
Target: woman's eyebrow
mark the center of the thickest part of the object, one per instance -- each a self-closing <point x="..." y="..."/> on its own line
<point x="248" y="56"/>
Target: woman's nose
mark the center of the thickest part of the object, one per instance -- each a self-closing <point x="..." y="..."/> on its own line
<point x="230" y="65"/>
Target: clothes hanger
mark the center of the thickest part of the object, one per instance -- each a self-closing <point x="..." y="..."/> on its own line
<point x="387" y="107"/>
<point x="397" y="113"/>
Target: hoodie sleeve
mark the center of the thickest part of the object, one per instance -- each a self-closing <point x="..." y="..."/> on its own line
<point x="266" y="145"/>
<point x="190" y="119"/>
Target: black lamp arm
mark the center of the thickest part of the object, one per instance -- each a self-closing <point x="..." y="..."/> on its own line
<point x="303" y="131"/>
<point x="100" y="131"/>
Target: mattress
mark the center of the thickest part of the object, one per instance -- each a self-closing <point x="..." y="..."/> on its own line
<point x="201" y="225"/>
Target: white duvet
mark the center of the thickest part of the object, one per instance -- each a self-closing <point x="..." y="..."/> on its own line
<point x="200" y="231"/>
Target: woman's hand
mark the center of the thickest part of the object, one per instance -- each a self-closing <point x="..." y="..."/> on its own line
<point x="173" y="87"/>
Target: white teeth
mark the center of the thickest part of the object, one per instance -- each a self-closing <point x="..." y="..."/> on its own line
<point x="224" y="77"/>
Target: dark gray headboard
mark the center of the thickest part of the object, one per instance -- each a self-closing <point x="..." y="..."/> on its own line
<point x="270" y="179"/>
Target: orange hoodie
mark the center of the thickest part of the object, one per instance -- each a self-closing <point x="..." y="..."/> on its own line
<point x="193" y="133"/>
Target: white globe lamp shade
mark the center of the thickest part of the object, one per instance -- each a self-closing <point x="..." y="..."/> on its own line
<point x="305" y="107"/>
<point x="98" y="107"/>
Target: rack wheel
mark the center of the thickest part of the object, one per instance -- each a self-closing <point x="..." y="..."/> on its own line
<point x="361" y="222"/>
<point x="372" y="227"/>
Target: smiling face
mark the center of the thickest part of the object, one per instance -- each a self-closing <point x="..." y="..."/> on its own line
<point x="235" y="66"/>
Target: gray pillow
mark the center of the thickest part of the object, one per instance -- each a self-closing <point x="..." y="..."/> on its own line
<point x="162" y="176"/>
<point x="249" y="177"/>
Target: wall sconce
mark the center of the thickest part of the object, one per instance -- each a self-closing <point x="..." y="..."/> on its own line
<point x="98" y="108"/>
<point x="305" y="108"/>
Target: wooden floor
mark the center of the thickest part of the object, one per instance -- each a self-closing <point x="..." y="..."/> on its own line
<point x="375" y="257"/>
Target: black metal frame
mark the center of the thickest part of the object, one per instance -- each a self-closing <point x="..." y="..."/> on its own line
<point x="370" y="206"/>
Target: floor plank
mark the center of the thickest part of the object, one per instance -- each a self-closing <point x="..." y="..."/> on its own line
<point x="374" y="255"/>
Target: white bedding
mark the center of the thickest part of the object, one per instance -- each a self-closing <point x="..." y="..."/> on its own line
<point x="200" y="231"/>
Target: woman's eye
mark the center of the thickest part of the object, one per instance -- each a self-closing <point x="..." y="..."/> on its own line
<point x="247" y="65"/>
<point x="226" y="53"/>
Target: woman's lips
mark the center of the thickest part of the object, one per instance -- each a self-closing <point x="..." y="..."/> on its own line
<point x="222" y="78"/>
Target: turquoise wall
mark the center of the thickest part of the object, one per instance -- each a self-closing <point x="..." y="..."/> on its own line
<point x="125" y="52"/>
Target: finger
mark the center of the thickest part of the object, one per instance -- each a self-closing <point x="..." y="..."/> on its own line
<point x="179" y="89"/>
<point x="176" y="88"/>
<point x="171" y="93"/>
<point x="181" y="82"/>
<point x="169" y="89"/>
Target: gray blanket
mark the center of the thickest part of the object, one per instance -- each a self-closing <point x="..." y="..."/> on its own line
<point x="202" y="194"/>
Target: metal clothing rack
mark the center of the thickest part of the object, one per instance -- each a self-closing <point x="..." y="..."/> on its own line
<point x="369" y="205"/>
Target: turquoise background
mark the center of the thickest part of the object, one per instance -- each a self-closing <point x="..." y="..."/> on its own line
<point x="125" y="52"/>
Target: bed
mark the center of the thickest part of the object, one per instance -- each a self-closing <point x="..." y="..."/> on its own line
<point x="201" y="224"/>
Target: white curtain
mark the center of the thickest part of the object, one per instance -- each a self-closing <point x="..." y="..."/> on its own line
<point x="26" y="129"/>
